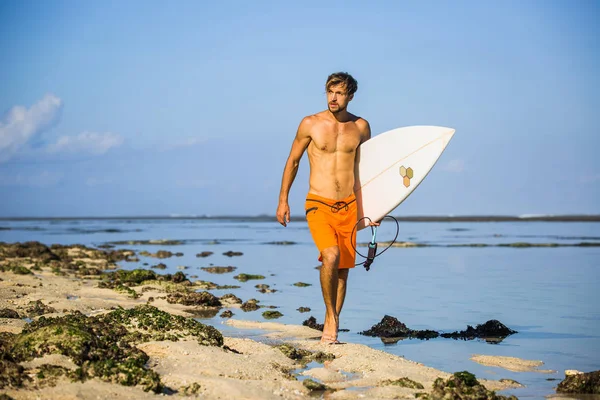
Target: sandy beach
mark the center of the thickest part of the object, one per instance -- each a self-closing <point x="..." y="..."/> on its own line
<point x="74" y="325"/>
<point x="287" y="362"/>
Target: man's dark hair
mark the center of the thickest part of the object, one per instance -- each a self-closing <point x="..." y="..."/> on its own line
<point x="343" y="78"/>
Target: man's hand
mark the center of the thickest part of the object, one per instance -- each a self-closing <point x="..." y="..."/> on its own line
<point x="371" y="223"/>
<point x="283" y="213"/>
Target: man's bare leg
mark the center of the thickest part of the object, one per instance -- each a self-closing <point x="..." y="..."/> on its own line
<point x="341" y="292"/>
<point x="329" y="286"/>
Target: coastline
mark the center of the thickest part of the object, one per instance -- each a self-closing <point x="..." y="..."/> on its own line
<point x="288" y="362"/>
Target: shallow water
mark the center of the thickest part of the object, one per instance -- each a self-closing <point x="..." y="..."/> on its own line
<point x="548" y="294"/>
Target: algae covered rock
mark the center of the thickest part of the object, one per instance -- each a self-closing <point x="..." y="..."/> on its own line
<point x="247" y="277"/>
<point x="403" y="382"/>
<point x="462" y="386"/>
<point x="272" y="314"/>
<point x="194" y="299"/>
<point x="102" y="346"/>
<point x="250" y="305"/>
<point x="8" y="313"/>
<point x="584" y="383"/>
<point x="490" y="329"/>
<point x="37" y="308"/>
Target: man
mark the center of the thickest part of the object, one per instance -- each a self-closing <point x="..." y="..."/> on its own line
<point x="331" y="138"/>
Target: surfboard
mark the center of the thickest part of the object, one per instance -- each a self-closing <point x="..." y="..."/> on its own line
<point x="393" y="164"/>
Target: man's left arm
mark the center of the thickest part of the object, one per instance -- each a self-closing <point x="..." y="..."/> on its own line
<point x="365" y="134"/>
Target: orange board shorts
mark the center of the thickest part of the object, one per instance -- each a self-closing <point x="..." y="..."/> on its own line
<point x="331" y="223"/>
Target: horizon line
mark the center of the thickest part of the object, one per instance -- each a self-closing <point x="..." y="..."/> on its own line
<point x="265" y="217"/>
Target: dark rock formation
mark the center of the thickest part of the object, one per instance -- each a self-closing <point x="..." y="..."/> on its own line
<point x="585" y="383"/>
<point x="462" y="386"/>
<point x="491" y="329"/>
<point x="390" y="327"/>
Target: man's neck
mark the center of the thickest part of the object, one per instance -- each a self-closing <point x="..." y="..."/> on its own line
<point x="342" y="116"/>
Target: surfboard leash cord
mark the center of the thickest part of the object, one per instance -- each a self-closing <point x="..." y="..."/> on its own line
<point x="372" y="253"/>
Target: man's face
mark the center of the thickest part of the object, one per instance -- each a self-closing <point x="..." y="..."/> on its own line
<point x="337" y="98"/>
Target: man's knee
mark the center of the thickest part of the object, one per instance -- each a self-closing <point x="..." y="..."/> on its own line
<point x="331" y="256"/>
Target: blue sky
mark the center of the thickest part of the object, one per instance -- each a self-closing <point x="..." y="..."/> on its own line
<point x="154" y="108"/>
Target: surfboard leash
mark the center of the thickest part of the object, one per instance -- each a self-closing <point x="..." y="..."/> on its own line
<point x="372" y="253"/>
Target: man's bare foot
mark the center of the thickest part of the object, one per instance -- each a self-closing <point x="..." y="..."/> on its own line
<point x="330" y="331"/>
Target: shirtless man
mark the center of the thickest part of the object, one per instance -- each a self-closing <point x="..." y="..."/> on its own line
<point x="331" y="138"/>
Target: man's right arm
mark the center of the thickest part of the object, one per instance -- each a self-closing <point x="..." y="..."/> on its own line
<point x="299" y="145"/>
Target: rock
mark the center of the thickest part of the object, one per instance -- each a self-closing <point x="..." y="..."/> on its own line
<point x="8" y="313"/>
<point x="390" y="327"/>
<point x="230" y="298"/>
<point x="313" y="385"/>
<point x="204" y="254"/>
<point x="491" y="329"/>
<point x="403" y="382"/>
<point x="219" y="270"/>
<point x="580" y="383"/>
<point x="37" y="308"/>
<point x="302" y="284"/>
<point x="264" y="288"/>
<point x="250" y="305"/>
<point x="272" y="314"/>
<point x="247" y="277"/>
<point x="303" y="309"/>
<point x="194" y="299"/>
<point x="462" y="386"/>
<point x="226" y="314"/>
<point x="102" y="346"/>
<point x="311" y="322"/>
<point x="232" y="253"/>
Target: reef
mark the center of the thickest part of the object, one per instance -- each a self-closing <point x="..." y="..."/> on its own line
<point x="100" y="346"/>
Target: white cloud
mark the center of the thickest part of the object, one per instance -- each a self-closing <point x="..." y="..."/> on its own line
<point x="86" y="142"/>
<point x="455" y="165"/>
<point x="20" y="124"/>
<point x="41" y="179"/>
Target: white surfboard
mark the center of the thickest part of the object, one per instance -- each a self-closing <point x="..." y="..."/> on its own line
<point x="392" y="164"/>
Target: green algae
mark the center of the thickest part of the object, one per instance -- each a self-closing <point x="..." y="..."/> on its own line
<point x="191" y="389"/>
<point x="247" y="277"/>
<point x="9" y="313"/>
<point x="403" y="382"/>
<point x="15" y="269"/>
<point x="462" y="385"/>
<point x="37" y="308"/>
<point x="123" y="280"/>
<point x="250" y="305"/>
<point x="304" y="356"/>
<point x="219" y="270"/>
<point x="313" y="385"/>
<point x="194" y="299"/>
<point x="272" y="314"/>
<point x="102" y="346"/>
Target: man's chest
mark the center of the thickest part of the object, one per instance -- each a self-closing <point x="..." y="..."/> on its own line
<point x="336" y="138"/>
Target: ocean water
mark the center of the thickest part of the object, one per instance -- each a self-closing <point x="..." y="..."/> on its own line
<point x="550" y="295"/>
